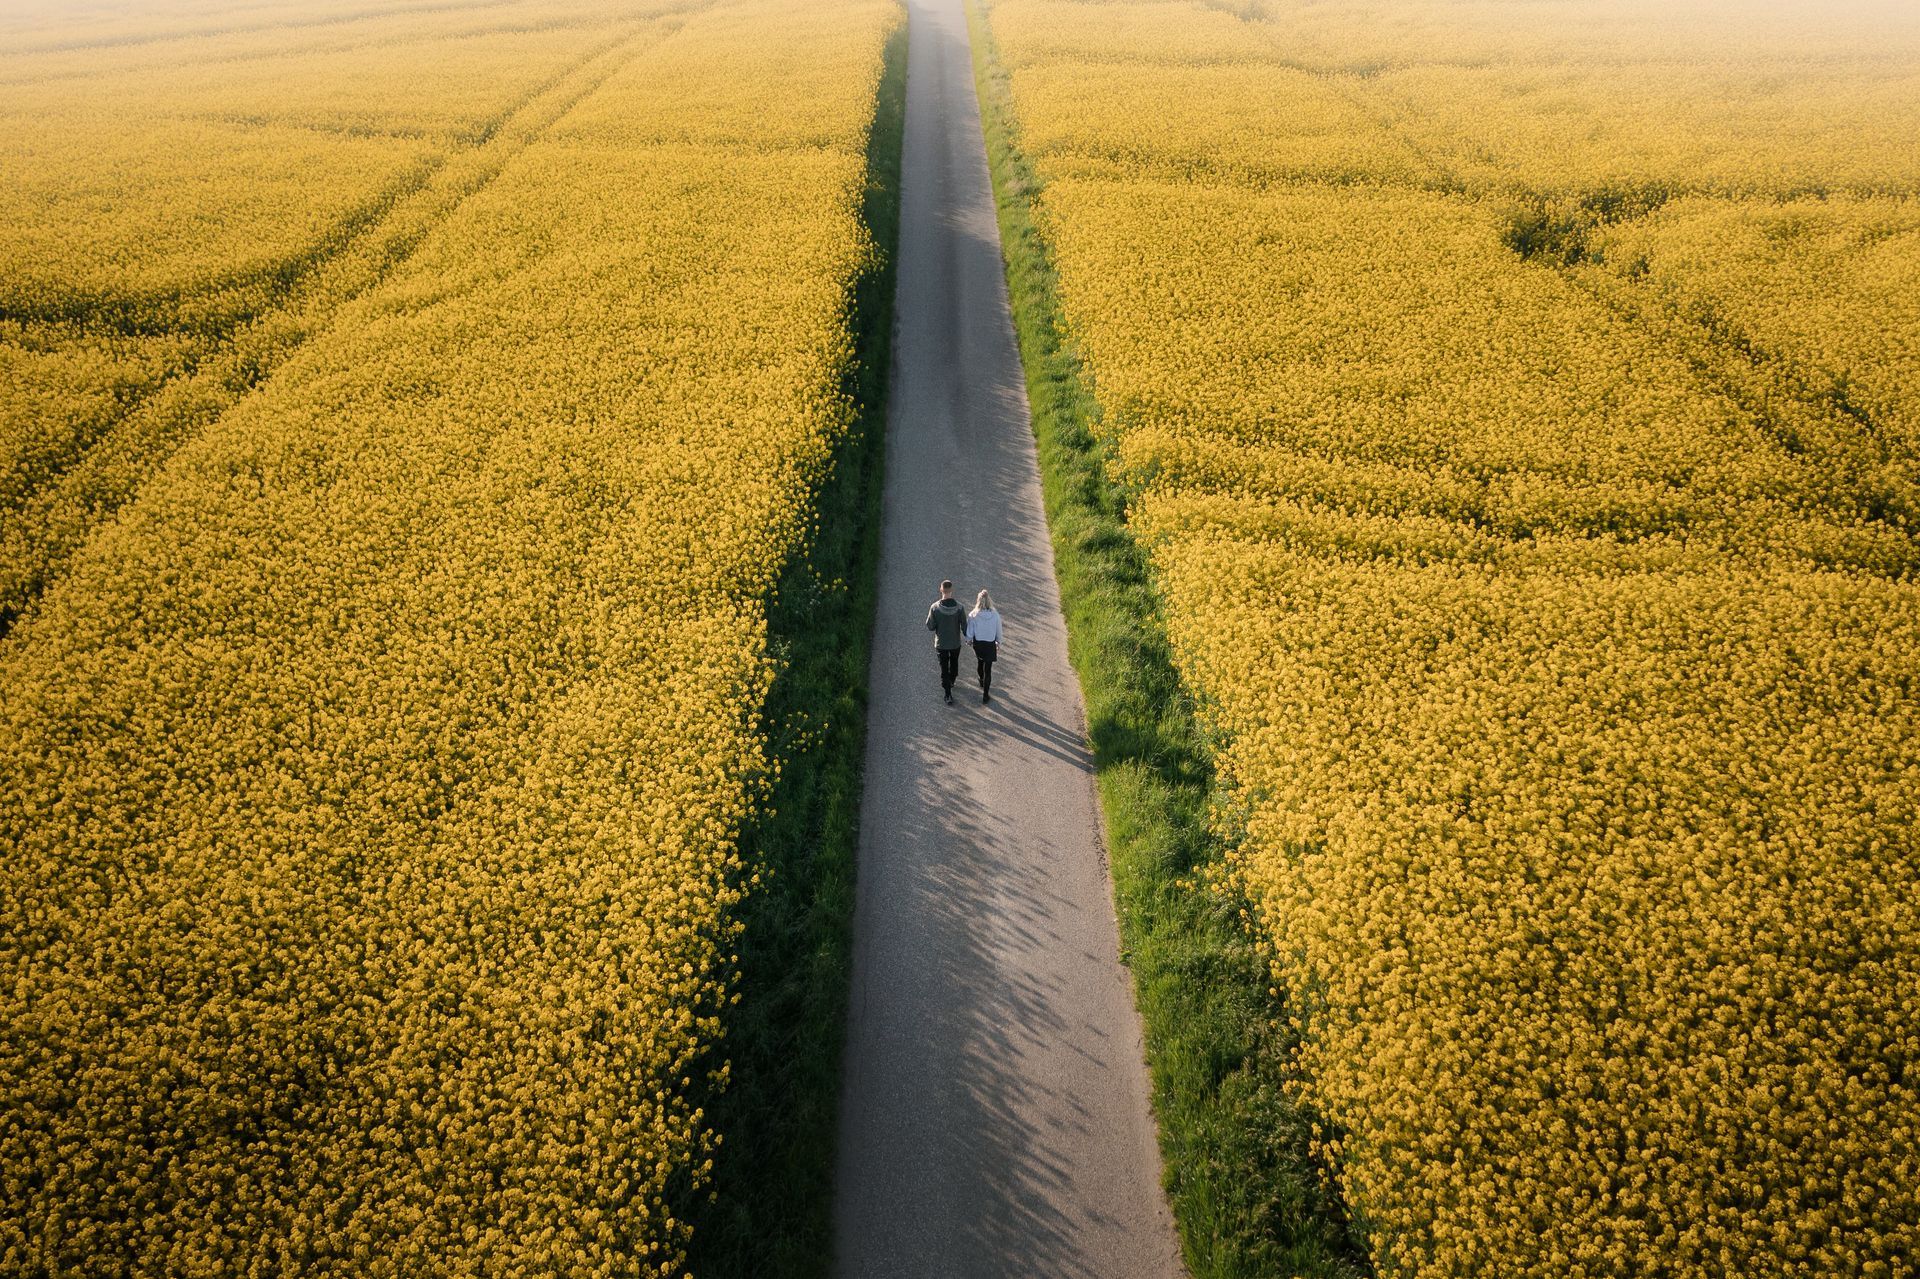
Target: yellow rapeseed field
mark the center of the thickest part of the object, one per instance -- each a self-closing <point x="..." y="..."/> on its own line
<point x="371" y="764"/>
<point x="1518" y="403"/>
<point x="141" y="295"/>
<point x="1825" y="292"/>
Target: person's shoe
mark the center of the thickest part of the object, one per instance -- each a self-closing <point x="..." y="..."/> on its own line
<point x="985" y="697"/>
<point x="949" y="695"/>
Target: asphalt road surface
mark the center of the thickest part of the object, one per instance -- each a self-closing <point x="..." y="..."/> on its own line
<point x="994" y="1114"/>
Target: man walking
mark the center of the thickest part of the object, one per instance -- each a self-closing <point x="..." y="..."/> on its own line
<point x="947" y="619"/>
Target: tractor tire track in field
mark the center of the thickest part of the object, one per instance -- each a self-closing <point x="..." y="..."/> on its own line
<point x="994" y="1105"/>
<point x="56" y="520"/>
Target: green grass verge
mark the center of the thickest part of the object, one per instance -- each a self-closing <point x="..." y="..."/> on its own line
<point x="1248" y="1199"/>
<point x="770" y="1213"/>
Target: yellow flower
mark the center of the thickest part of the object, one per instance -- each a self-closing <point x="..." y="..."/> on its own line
<point x="371" y="782"/>
<point x="1523" y="436"/>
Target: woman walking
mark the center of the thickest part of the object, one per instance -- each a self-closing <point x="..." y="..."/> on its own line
<point x="983" y="631"/>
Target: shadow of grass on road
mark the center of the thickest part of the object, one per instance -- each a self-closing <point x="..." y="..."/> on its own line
<point x="770" y="1210"/>
<point x="1246" y="1195"/>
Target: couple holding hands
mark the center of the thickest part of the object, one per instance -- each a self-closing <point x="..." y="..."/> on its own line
<point x="952" y="626"/>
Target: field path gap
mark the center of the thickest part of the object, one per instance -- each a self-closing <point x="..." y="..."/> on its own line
<point x="994" y="1114"/>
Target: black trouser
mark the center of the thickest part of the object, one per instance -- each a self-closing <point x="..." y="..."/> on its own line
<point x="949" y="668"/>
<point x="983" y="654"/>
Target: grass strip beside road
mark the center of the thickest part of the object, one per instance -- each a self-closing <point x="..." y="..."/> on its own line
<point x="770" y="1211"/>
<point x="1247" y="1198"/>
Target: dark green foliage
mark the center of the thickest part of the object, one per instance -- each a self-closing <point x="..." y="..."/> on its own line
<point x="1560" y="230"/>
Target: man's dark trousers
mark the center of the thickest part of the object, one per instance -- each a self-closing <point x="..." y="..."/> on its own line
<point x="949" y="668"/>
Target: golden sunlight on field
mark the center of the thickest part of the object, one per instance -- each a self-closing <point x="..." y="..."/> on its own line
<point x="376" y="726"/>
<point x="1519" y="401"/>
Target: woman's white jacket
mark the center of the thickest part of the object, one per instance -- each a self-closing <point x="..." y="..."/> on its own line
<point x="983" y="626"/>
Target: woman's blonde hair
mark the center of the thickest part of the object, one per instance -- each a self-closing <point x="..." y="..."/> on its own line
<point x="985" y="601"/>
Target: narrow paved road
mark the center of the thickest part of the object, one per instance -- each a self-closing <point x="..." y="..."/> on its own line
<point x="994" y="1115"/>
